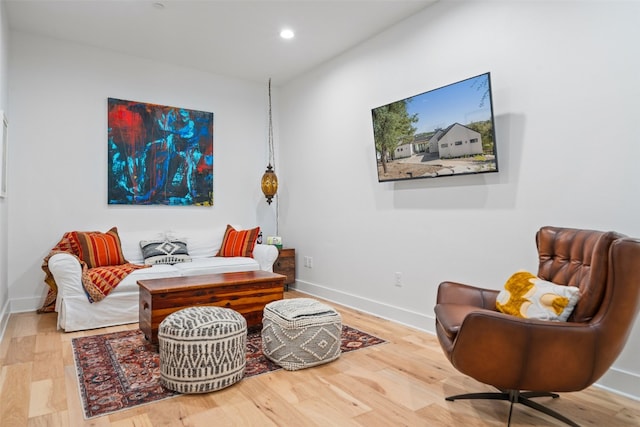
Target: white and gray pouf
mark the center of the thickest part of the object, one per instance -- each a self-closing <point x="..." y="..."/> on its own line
<point x="299" y="333"/>
<point x="202" y="349"/>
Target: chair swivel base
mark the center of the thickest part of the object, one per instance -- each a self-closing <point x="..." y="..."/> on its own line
<point x="516" y="396"/>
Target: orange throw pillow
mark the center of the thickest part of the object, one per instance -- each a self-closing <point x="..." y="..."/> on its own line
<point x="238" y="242"/>
<point x="100" y="249"/>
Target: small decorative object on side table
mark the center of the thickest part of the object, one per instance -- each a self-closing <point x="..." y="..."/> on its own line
<point x="286" y="265"/>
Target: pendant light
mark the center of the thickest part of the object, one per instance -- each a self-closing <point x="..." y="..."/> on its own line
<point x="269" y="179"/>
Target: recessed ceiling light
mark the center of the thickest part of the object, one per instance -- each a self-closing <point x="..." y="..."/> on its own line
<point x="287" y="34"/>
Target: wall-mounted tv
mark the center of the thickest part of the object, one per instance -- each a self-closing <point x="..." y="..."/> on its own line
<point x="443" y="132"/>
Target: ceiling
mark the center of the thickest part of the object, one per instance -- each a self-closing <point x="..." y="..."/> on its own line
<point x="236" y="38"/>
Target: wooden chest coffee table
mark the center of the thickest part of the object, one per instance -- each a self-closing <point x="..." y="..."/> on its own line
<point x="245" y="292"/>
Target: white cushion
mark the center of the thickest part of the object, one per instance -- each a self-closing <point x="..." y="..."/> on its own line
<point x="201" y="243"/>
<point x="130" y="243"/>
<point x="214" y="265"/>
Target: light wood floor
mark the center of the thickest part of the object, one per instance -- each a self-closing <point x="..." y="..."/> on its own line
<point x="400" y="383"/>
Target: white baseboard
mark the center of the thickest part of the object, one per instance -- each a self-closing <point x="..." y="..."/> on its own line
<point x="21" y="305"/>
<point x="4" y="318"/>
<point x="400" y="315"/>
<point x="615" y="380"/>
<point x="621" y="382"/>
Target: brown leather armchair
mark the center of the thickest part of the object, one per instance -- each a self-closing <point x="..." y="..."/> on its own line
<point x="526" y="358"/>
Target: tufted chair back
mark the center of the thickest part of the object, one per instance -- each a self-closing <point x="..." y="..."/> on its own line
<point x="577" y="258"/>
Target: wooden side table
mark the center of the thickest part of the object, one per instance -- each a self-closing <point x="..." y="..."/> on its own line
<point x="286" y="265"/>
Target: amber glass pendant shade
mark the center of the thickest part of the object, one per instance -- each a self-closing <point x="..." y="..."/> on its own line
<point x="269" y="184"/>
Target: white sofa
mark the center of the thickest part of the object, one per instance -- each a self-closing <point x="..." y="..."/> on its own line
<point x="75" y="312"/>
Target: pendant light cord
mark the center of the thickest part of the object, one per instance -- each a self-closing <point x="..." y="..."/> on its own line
<point x="272" y="160"/>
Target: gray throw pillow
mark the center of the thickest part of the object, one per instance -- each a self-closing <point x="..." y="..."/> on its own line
<point x="164" y="251"/>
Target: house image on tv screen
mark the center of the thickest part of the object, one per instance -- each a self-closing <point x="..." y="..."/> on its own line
<point x="455" y="141"/>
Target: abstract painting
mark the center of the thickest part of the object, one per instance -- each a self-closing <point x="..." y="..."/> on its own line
<point x="159" y="155"/>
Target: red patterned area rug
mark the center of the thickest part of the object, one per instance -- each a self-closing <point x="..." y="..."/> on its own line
<point x="121" y="370"/>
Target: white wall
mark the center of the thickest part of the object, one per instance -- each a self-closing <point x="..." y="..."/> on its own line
<point x="566" y="98"/>
<point x="58" y="180"/>
<point x="4" y="224"/>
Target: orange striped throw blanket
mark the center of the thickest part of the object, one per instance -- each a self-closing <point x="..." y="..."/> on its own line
<point x="100" y="256"/>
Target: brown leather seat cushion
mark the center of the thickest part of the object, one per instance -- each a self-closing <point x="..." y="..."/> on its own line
<point x="450" y="316"/>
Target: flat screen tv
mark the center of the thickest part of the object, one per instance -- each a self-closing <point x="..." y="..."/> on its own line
<point x="443" y="132"/>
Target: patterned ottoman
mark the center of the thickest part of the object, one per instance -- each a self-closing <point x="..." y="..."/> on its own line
<point x="202" y="349"/>
<point x="300" y="332"/>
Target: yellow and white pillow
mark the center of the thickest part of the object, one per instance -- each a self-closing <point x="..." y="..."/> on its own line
<point x="525" y="295"/>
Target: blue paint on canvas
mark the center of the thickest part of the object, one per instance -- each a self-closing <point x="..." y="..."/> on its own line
<point x="159" y="155"/>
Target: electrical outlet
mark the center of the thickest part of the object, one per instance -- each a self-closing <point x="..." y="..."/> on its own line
<point x="308" y="262"/>
<point x="398" y="282"/>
